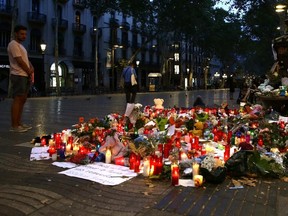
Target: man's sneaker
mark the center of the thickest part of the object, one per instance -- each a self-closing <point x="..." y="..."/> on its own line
<point x="18" y="129"/>
<point x="28" y="127"/>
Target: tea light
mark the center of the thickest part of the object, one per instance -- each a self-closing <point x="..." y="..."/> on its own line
<point x="108" y="156"/>
<point x="198" y="180"/>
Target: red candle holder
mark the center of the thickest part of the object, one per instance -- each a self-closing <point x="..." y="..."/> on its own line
<point x="167" y="149"/>
<point x="51" y="150"/>
<point x="119" y="161"/>
<point x="137" y="163"/>
<point x="43" y="142"/>
<point x="132" y="159"/>
<point x="227" y="153"/>
<point x="174" y="174"/>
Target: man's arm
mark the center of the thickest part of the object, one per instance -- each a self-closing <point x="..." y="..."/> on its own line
<point x="24" y="66"/>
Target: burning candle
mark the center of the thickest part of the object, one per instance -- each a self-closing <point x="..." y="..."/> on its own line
<point x="183" y="156"/>
<point x="152" y="165"/>
<point x="137" y="163"/>
<point x="119" y="161"/>
<point x="166" y="150"/>
<point x="174" y="174"/>
<point x="52" y="150"/>
<point x="227" y="152"/>
<point x="198" y="180"/>
<point x="132" y="161"/>
<point x="195" y="169"/>
<point x="43" y="142"/>
<point x="146" y="167"/>
<point x="57" y="139"/>
<point x="260" y="140"/>
<point x="195" y="144"/>
<point x="108" y="156"/>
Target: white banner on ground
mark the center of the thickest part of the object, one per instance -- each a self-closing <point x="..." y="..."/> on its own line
<point x="39" y="153"/>
<point x="106" y="174"/>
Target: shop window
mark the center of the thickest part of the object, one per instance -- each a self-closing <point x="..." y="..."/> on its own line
<point x="53" y="76"/>
<point x="176" y="69"/>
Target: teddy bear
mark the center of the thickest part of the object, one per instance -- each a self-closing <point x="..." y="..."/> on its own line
<point x="159" y="103"/>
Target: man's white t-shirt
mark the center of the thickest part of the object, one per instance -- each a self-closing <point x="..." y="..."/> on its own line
<point x="16" y="49"/>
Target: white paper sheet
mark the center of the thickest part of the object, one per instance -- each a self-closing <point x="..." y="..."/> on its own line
<point x="39" y="153"/>
<point x="186" y="183"/>
<point x="106" y="174"/>
<point x="64" y="164"/>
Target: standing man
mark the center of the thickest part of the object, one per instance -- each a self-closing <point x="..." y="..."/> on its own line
<point x="21" y="75"/>
<point x="130" y="87"/>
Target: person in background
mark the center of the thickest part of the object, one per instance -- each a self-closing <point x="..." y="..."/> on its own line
<point x="199" y="102"/>
<point x="130" y="88"/>
<point x="231" y="84"/>
<point x="21" y="76"/>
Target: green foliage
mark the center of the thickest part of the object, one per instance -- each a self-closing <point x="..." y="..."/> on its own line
<point x="264" y="165"/>
<point x="189" y="124"/>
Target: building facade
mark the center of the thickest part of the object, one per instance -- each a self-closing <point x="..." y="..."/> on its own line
<point x="91" y="53"/>
<point x="78" y="34"/>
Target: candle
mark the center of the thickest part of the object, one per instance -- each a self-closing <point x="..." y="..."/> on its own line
<point x="195" y="144"/>
<point x="227" y="152"/>
<point x="183" y="156"/>
<point x="57" y="139"/>
<point x="174" y="174"/>
<point x="158" y="165"/>
<point x="152" y="165"/>
<point x="51" y="150"/>
<point x="146" y="167"/>
<point x="198" y="180"/>
<point x="108" y="156"/>
<point x="260" y="140"/>
<point x="167" y="149"/>
<point x="137" y="164"/>
<point x="131" y="161"/>
<point x="195" y="169"/>
<point x="43" y="142"/>
<point x="119" y="161"/>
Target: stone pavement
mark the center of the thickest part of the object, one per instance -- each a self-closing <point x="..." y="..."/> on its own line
<point x="36" y="188"/>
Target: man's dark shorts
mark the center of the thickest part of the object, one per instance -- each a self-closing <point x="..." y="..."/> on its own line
<point x="20" y="85"/>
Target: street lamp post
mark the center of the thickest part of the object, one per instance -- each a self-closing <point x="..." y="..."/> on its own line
<point x="96" y="58"/>
<point x="114" y="47"/>
<point x="139" y="74"/>
<point x="281" y="9"/>
<point x="43" y="46"/>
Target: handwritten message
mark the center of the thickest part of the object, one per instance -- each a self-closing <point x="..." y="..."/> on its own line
<point x="106" y="174"/>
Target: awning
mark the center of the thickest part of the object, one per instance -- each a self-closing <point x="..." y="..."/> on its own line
<point x="154" y="75"/>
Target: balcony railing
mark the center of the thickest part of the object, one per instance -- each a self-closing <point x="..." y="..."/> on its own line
<point x="126" y="43"/>
<point x="36" y="17"/>
<point x="125" y="25"/>
<point x="6" y="10"/>
<point x="114" y="23"/>
<point x="79" y="28"/>
<point x="62" y="24"/>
